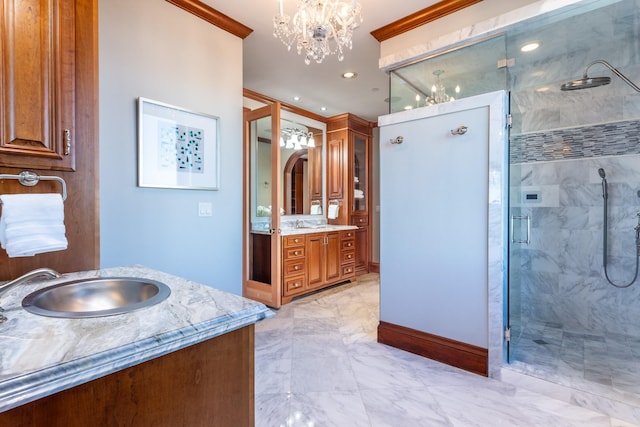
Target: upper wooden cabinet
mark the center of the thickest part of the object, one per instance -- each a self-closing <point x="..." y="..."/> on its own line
<point x="315" y="168"/>
<point x="349" y="178"/>
<point x="37" y="90"/>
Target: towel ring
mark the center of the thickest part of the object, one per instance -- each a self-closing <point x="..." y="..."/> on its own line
<point x="29" y="179"/>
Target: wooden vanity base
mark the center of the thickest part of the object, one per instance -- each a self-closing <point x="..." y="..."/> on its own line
<point x="208" y="384"/>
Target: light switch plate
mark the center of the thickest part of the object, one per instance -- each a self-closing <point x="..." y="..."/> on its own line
<point x="205" y="209"/>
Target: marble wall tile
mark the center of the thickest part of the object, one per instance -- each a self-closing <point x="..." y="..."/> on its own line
<point x="567" y="239"/>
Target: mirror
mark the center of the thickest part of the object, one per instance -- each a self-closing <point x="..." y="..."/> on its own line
<point x="301" y="167"/>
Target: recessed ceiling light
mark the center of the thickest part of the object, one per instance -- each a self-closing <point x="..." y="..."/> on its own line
<point x="529" y="47"/>
<point x="349" y="75"/>
<point x="323" y="108"/>
<point x="296" y="98"/>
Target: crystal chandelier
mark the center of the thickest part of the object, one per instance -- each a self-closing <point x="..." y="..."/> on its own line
<point x="319" y="27"/>
<point x="296" y="139"/>
<point x="438" y="91"/>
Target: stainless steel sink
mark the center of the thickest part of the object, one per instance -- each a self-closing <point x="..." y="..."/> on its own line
<point x="96" y="297"/>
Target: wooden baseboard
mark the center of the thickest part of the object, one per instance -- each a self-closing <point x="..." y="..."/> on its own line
<point x="455" y="353"/>
<point x="374" y="267"/>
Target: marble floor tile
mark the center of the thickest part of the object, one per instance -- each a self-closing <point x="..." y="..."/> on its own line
<point x="331" y="409"/>
<point x="317" y="363"/>
<point x="322" y="374"/>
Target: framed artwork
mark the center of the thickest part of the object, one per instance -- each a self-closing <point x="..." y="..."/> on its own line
<point x="177" y="148"/>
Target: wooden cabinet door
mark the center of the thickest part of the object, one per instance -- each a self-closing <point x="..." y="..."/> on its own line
<point x="335" y="165"/>
<point x="362" y="250"/>
<point x="315" y="171"/>
<point x="333" y="258"/>
<point x="315" y="259"/>
<point x="37" y="87"/>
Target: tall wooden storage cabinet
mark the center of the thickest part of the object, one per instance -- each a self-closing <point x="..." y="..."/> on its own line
<point x="349" y="179"/>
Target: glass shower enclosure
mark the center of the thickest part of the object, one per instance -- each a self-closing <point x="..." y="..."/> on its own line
<point x="567" y="323"/>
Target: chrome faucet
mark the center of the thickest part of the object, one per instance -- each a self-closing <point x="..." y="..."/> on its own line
<point x="52" y="274"/>
<point x="300" y="223"/>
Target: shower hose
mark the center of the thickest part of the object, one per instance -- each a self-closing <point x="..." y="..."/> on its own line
<point x="604" y="242"/>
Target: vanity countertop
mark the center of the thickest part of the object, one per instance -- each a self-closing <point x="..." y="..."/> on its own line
<point x="318" y="229"/>
<point x="43" y="355"/>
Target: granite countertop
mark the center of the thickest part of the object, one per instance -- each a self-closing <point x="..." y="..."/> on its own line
<point x="308" y="230"/>
<point x="43" y="355"/>
<point x="317" y="229"/>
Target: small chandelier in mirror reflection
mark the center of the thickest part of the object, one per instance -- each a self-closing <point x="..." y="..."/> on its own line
<point x="296" y="139"/>
<point x="319" y="27"/>
<point x="438" y="91"/>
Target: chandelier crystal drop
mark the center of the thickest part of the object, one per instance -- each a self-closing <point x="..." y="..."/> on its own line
<point x="318" y="28"/>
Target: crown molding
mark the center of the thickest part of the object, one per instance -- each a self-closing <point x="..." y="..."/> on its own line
<point x="213" y="16"/>
<point x="421" y="17"/>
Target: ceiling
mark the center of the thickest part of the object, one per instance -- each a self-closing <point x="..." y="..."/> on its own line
<point x="271" y="70"/>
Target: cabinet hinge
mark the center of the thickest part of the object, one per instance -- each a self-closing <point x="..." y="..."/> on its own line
<point x="507" y="334"/>
<point x="509" y="120"/>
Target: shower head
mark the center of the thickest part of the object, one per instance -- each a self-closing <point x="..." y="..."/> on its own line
<point x="587" y="82"/>
<point x="602" y="173"/>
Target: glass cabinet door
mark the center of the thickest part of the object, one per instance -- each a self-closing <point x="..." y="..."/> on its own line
<point x="360" y="178"/>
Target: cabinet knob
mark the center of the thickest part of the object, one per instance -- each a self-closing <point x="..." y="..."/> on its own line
<point x="349" y="244"/>
<point x="295" y="253"/>
<point x="296" y="240"/>
<point x="349" y="256"/>
<point x="296" y="267"/>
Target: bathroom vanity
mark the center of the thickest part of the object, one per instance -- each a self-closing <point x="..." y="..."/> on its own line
<point x="188" y="360"/>
<point x="313" y="259"/>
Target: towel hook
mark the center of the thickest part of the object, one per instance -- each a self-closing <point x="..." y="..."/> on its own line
<point x="461" y="130"/>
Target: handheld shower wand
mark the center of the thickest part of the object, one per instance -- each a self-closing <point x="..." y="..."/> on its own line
<point x="603" y="175"/>
<point x="605" y="196"/>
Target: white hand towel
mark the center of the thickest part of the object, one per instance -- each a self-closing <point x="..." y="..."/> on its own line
<point x="333" y="211"/>
<point x="316" y="210"/>
<point x="32" y="223"/>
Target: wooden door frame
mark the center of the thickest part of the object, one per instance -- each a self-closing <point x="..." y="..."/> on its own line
<point x="269" y="294"/>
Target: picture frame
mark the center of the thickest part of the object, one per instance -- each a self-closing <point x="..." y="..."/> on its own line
<point x="177" y="148"/>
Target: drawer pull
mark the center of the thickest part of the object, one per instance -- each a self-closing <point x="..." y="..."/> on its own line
<point x="296" y="253"/>
<point x="296" y="267"/>
<point x="296" y="284"/>
<point x="349" y="256"/>
<point x="296" y="240"/>
<point x="349" y="244"/>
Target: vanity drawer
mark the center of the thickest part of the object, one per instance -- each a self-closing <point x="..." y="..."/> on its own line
<point x="348" y="245"/>
<point x="348" y="256"/>
<point x="360" y="220"/>
<point x="293" y="253"/>
<point x="292" y="241"/>
<point x="293" y="285"/>
<point x="293" y="267"/>
<point x="348" y="271"/>
<point x="349" y="234"/>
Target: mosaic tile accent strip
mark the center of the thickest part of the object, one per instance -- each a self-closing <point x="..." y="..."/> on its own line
<point x="609" y="139"/>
